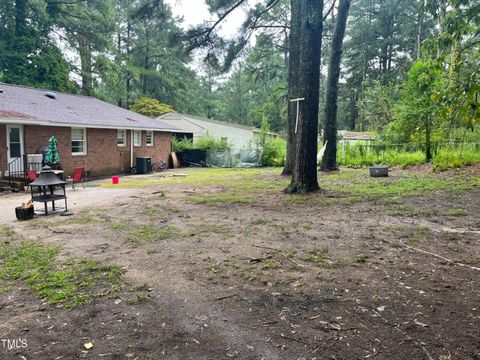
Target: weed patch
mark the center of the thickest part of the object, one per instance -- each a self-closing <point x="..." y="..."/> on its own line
<point x="212" y="200"/>
<point x="147" y="234"/>
<point x="71" y="283"/>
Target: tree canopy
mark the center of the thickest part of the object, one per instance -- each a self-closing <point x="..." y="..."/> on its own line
<point x="121" y="51"/>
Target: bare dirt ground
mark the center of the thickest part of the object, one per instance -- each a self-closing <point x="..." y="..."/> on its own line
<point x="272" y="276"/>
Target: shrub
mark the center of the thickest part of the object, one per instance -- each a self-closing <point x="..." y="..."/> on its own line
<point x="274" y="152"/>
<point x="204" y="143"/>
<point x="150" y="107"/>
<point x="210" y="142"/>
<point x="181" y="144"/>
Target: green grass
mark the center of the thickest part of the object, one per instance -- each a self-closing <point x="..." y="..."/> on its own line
<point x="85" y="216"/>
<point x="411" y="235"/>
<point x="246" y="186"/>
<point x="225" y="198"/>
<point x="205" y="228"/>
<point x="147" y="234"/>
<point x="409" y="211"/>
<point x="235" y="178"/>
<point x="445" y="159"/>
<point x="7" y="234"/>
<point x="70" y="282"/>
<point x="358" y="156"/>
<point x="318" y="259"/>
<point x="457" y="212"/>
<point x="405" y="210"/>
<point x="359" y="183"/>
<point x="151" y="212"/>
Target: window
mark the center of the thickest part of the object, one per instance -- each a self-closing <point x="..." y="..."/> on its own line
<point x="121" y="137"/>
<point x="79" y="141"/>
<point x="149" y="138"/>
<point x="137" y="138"/>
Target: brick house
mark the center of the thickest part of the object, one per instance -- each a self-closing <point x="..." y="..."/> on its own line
<point x="103" y="138"/>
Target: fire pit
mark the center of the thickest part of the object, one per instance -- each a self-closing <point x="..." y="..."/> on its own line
<point x="48" y="188"/>
<point x="25" y="212"/>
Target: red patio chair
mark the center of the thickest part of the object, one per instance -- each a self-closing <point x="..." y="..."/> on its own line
<point x="78" y="177"/>
<point x="31" y="175"/>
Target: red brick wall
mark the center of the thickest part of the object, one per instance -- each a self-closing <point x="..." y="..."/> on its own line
<point x="161" y="149"/>
<point x="103" y="157"/>
<point x="3" y="148"/>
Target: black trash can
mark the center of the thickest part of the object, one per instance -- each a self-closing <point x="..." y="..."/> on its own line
<point x="144" y="164"/>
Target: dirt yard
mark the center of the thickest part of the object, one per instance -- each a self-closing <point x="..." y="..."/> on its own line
<point x="220" y="264"/>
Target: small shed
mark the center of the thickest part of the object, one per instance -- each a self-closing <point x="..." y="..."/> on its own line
<point x="354" y="137"/>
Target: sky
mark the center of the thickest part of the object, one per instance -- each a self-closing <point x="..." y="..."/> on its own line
<point x="194" y="12"/>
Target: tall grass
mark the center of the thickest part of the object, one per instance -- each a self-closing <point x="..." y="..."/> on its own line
<point x="448" y="159"/>
<point x="359" y="156"/>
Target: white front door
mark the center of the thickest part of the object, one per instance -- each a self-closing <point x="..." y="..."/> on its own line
<point x="15" y="143"/>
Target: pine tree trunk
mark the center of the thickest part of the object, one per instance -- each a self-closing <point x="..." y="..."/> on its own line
<point x="309" y="36"/>
<point x="128" y="75"/>
<point x="428" y="143"/>
<point x="293" y="75"/>
<point x="353" y="111"/>
<point x="419" y="33"/>
<point x="329" y="161"/>
<point x="20" y="17"/>
<point x="85" y="51"/>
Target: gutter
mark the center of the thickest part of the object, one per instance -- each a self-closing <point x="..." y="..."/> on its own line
<point x="23" y="121"/>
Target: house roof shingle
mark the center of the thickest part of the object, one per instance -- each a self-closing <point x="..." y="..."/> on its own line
<point x="194" y="118"/>
<point x="32" y="106"/>
<point x="355" y="135"/>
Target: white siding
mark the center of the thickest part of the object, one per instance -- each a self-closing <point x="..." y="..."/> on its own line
<point x="184" y="124"/>
<point x="238" y="137"/>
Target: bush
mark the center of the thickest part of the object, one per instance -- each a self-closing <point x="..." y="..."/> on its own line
<point x="210" y="142"/>
<point x="151" y="107"/>
<point x="204" y="143"/>
<point x="274" y="152"/>
<point x="181" y="144"/>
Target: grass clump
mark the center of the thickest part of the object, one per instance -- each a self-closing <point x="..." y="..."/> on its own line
<point x="318" y="259"/>
<point x="457" y="212"/>
<point x="146" y="234"/>
<point x="269" y="264"/>
<point x="151" y="212"/>
<point x="361" y="259"/>
<point x="225" y="198"/>
<point x="71" y="283"/>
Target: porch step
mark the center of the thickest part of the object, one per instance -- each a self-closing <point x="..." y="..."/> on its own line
<point x="4" y="186"/>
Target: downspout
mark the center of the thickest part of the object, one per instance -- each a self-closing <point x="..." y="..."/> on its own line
<point x="131" y="149"/>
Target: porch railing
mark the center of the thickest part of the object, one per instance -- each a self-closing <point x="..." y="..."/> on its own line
<point x="17" y="170"/>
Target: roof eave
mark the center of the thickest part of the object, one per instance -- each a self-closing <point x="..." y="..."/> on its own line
<point x="23" y="121"/>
